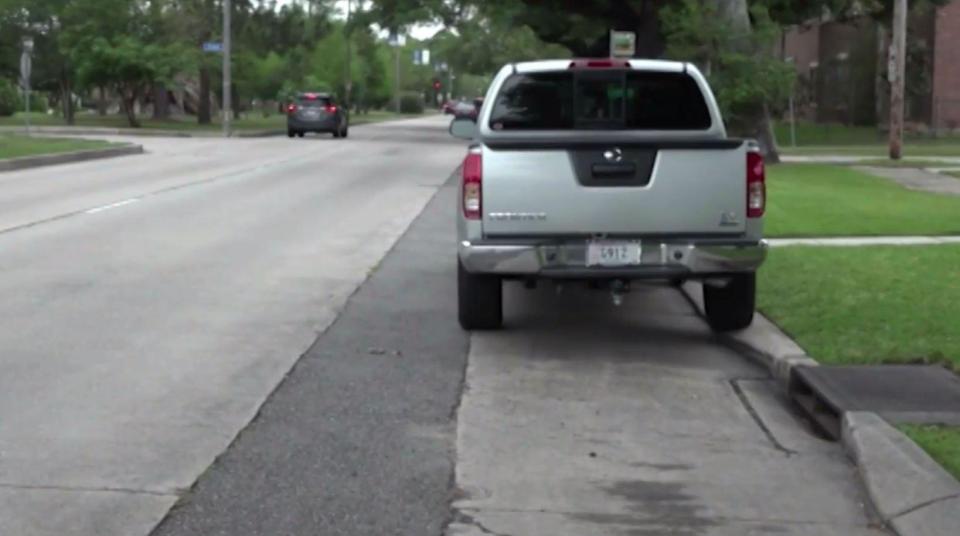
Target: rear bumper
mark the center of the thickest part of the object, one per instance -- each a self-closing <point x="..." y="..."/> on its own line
<point x="327" y="124"/>
<point x="659" y="260"/>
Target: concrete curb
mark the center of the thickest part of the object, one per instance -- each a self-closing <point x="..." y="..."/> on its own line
<point x="909" y="490"/>
<point x="27" y="162"/>
<point x="763" y="341"/>
<point x="144" y="132"/>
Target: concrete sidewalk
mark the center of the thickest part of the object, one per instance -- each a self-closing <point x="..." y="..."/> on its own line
<point x="845" y="241"/>
<point x="854" y="159"/>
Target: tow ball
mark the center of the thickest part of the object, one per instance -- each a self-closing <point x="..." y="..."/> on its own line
<point x="618" y="289"/>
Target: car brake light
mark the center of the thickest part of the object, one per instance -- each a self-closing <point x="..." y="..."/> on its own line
<point x="291" y="108"/>
<point x="473" y="184"/>
<point x="331" y="109"/>
<point x="756" y="185"/>
<point x="599" y="64"/>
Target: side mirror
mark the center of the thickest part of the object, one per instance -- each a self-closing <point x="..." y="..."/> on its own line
<point x="463" y="128"/>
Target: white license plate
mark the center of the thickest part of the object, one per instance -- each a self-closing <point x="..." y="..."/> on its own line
<point x="612" y="253"/>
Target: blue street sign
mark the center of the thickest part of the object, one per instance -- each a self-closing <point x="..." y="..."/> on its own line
<point x="212" y="46"/>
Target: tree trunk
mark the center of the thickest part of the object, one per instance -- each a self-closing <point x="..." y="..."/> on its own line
<point x="161" y="101"/>
<point x="66" y="100"/>
<point x="101" y="101"/>
<point x="129" y="106"/>
<point x="235" y="101"/>
<point x="203" y="106"/>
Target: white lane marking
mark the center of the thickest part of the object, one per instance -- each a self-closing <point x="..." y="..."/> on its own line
<point x="112" y="205"/>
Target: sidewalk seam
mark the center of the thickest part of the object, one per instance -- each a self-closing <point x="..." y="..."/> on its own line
<point x="924" y="504"/>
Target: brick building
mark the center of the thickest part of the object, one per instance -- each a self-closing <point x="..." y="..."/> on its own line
<point x="842" y="69"/>
<point x="946" y="67"/>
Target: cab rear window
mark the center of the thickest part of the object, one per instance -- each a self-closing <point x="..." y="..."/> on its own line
<point x="599" y="100"/>
<point x="313" y="102"/>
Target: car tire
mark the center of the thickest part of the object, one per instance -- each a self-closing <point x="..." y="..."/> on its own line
<point x="301" y="134"/>
<point x="731" y="308"/>
<point x="480" y="300"/>
<point x="346" y="131"/>
<point x="291" y="133"/>
<point x="336" y="133"/>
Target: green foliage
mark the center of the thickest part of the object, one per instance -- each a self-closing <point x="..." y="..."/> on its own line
<point x="740" y="64"/>
<point x="411" y="103"/>
<point x="9" y="98"/>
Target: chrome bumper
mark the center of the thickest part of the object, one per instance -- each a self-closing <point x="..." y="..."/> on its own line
<point x="568" y="259"/>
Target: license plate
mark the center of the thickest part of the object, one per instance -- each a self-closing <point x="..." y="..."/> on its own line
<point x="612" y="253"/>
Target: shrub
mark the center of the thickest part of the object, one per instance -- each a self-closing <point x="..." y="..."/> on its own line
<point x="9" y="98"/>
<point x="411" y="103"/>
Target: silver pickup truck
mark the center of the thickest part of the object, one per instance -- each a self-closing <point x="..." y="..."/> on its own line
<point x="609" y="171"/>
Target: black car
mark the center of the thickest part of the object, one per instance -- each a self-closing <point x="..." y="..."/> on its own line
<point x="316" y="112"/>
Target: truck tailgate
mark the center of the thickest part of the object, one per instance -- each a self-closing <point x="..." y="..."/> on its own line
<point x="615" y="190"/>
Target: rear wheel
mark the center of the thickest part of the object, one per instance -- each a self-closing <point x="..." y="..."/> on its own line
<point x="336" y="133"/>
<point x="480" y="300"/>
<point x="291" y="133"/>
<point x="301" y="134"/>
<point x="731" y="307"/>
<point x="345" y="131"/>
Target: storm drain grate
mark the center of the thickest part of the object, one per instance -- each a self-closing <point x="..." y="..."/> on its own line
<point x="899" y="393"/>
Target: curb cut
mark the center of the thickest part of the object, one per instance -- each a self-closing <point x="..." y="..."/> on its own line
<point x="910" y="491"/>
<point x="27" y="162"/>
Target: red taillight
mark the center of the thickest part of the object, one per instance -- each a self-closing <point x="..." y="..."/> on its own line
<point x="331" y="109"/>
<point x="291" y="108"/>
<point x="473" y="184"/>
<point x="756" y="185"/>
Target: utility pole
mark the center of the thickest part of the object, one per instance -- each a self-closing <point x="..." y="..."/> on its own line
<point x="349" y="79"/>
<point x="26" y="66"/>
<point x="227" y="86"/>
<point x="897" y="70"/>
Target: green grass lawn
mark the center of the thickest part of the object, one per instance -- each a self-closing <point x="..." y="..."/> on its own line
<point x="870" y="304"/>
<point x="953" y="173"/>
<point x="825" y="200"/>
<point x="15" y="145"/>
<point x="941" y="442"/>
<point x="249" y="121"/>
<point x="833" y="138"/>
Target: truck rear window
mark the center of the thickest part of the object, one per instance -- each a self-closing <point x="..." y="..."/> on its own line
<point x="599" y="100"/>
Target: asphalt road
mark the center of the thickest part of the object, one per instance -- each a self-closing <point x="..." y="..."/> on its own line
<point x="149" y="304"/>
<point x="165" y="351"/>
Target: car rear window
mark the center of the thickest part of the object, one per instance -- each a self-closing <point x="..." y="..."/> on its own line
<point x="313" y="102"/>
<point x="598" y="100"/>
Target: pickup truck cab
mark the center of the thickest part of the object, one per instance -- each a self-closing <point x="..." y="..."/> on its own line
<point x="607" y="170"/>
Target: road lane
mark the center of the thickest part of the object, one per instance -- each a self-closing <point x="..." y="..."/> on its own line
<point x="139" y="339"/>
<point x="581" y="418"/>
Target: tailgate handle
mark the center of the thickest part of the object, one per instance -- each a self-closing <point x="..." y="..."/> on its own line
<point x="625" y="169"/>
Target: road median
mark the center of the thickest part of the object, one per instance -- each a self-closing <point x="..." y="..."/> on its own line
<point x="41" y="160"/>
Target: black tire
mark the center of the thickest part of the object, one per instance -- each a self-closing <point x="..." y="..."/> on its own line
<point x="336" y="133"/>
<point x="291" y="133"/>
<point x="731" y="308"/>
<point x="480" y="300"/>
<point x="301" y="134"/>
<point x="346" y="131"/>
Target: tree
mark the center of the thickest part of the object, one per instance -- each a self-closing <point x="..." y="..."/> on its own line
<point x="734" y="48"/>
<point x="42" y="20"/>
<point x="108" y="42"/>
